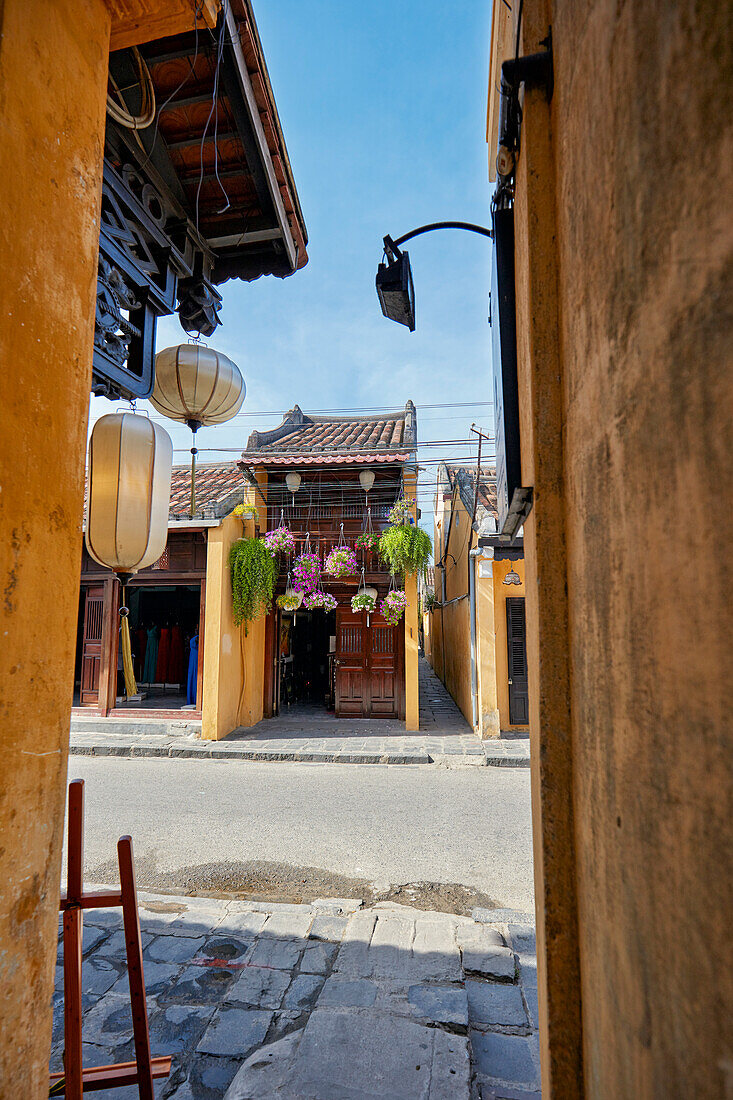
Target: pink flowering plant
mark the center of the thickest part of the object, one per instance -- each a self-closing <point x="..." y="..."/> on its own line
<point x="320" y="601"/>
<point x="368" y="541"/>
<point x="393" y="606"/>
<point x="280" y="541"/>
<point x="306" y="573"/>
<point x="341" y="562"/>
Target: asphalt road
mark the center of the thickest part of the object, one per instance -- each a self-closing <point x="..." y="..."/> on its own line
<point x="293" y="832"/>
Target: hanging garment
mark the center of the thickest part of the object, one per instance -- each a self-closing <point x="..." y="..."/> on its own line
<point x="193" y="670"/>
<point x="164" y="653"/>
<point x="151" y="656"/>
<point x="177" y="668"/>
<point x="139" y="645"/>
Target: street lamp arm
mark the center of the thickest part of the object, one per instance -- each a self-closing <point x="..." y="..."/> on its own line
<point x="393" y="246"/>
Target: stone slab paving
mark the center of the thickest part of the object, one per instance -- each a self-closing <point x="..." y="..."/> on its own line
<point x="319" y="1001"/>
<point x="312" y="735"/>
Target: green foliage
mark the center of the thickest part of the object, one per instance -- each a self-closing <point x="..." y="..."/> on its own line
<point x="253" y="572"/>
<point x="405" y="549"/>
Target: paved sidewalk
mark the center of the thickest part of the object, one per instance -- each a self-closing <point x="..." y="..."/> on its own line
<point x="319" y="1001"/>
<point x="313" y="735"/>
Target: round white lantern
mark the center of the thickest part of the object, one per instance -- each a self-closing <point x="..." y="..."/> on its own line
<point x="199" y="387"/>
<point x="366" y="479"/>
<point x="129" y="488"/>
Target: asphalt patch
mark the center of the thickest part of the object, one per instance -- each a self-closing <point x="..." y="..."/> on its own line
<point x="261" y="880"/>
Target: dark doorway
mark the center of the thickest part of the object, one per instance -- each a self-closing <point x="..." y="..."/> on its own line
<point x="164" y="631"/>
<point x="306" y="659"/>
<point x="516" y="633"/>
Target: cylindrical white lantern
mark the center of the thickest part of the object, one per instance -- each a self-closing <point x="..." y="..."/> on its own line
<point x="128" y="498"/>
<point x="197" y="385"/>
<point x="366" y="477"/>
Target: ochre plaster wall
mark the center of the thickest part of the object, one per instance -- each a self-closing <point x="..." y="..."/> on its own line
<point x="501" y="593"/>
<point x="234" y="661"/>
<point x="53" y="76"/>
<point x="488" y="710"/>
<point x="412" y="686"/>
<point x="624" y="257"/>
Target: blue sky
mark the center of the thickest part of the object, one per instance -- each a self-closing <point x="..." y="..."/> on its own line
<point x="383" y="110"/>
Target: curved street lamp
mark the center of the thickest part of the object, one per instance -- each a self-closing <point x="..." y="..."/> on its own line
<point x="395" y="288"/>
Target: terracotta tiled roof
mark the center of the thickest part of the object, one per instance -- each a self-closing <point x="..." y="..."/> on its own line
<point x="340" y="439"/>
<point x="219" y="487"/>
<point x="464" y="477"/>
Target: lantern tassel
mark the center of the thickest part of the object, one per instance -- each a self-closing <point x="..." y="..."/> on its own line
<point x="127" y="667"/>
<point x="194" y="452"/>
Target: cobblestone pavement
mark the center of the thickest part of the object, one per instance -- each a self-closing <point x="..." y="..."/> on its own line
<point x="326" y="1001"/>
<point x="312" y="734"/>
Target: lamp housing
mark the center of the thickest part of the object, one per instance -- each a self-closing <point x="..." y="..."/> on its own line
<point x="292" y="480"/>
<point x="396" y="291"/>
<point x="197" y="385"/>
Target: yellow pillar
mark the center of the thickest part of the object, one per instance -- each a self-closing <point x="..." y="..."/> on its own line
<point x="412" y="685"/>
<point x="53" y="79"/>
<point x="233" y="658"/>
<point x="488" y="705"/>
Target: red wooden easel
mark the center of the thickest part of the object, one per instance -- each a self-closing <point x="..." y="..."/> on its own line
<point x="76" y="1080"/>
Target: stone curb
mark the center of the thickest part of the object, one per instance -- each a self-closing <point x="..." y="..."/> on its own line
<point x="116" y="745"/>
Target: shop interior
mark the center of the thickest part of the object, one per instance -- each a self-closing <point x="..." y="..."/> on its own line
<point x="307" y="654"/>
<point x="164" y="630"/>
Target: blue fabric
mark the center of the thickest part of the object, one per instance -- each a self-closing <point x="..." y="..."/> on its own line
<point x="151" y="656"/>
<point x="193" y="670"/>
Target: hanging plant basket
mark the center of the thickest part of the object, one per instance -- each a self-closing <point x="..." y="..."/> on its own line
<point x="369" y="542"/>
<point x="280" y="541"/>
<point x="405" y="549"/>
<point x="253" y="572"/>
<point x="320" y="601"/>
<point x="341" y="562"/>
<point x="290" y="600"/>
<point x="364" y="600"/>
<point x="393" y="606"/>
<point x="401" y="512"/>
<point x="307" y="573"/>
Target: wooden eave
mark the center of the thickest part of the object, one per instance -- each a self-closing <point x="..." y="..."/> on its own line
<point x="225" y="162"/>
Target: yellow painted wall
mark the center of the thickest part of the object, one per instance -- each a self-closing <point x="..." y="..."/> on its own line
<point x="412" y="683"/>
<point x="501" y="593"/>
<point x="53" y="77"/>
<point x="234" y="661"/>
<point x="623" y="277"/>
<point x="450" y="626"/>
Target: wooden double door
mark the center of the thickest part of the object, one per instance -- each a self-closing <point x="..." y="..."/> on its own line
<point x="369" y="666"/>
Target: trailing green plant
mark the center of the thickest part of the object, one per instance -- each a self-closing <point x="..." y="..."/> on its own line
<point x="405" y="549"/>
<point x="253" y="571"/>
<point x="429" y="601"/>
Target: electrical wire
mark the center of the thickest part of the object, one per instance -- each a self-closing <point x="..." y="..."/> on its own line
<point x="119" y="111"/>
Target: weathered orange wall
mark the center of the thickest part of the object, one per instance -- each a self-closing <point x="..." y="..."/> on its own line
<point x="624" y="259"/>
<point x="53" y="77"/>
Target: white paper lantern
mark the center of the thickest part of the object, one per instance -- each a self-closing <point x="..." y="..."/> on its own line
<point x="128" y="499"/>
<point x="197" y="385"/>
<point x="366" y="479"/>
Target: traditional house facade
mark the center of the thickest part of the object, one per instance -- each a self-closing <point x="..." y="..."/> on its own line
<point x="192" y="664"/>
<point x="355" y="664"/>
<point x="474" y="624"/>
